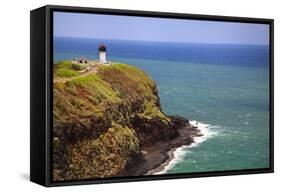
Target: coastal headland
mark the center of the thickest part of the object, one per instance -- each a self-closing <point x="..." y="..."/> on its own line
<point x="108" y="122"/>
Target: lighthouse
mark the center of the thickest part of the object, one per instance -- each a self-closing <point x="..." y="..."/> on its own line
<point x="102" y="52"/>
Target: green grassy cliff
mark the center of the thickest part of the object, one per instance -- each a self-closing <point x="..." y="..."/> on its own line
<point x="103" y="119"/>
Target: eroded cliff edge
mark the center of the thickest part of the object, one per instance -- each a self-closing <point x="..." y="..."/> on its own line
<point x="107" y="123"/>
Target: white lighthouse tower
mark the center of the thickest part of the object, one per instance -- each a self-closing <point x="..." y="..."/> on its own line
<point x="102" y="52"/>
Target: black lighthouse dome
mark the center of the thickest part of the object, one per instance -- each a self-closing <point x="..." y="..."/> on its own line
<point x="102" y="47"/>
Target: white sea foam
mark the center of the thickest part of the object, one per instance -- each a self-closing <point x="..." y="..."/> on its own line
<point x="179" y="153"/>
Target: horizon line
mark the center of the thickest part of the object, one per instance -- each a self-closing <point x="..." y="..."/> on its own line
<point x="160" y="41"/>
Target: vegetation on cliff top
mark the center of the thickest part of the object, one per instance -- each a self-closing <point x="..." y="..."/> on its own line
<point x="102" y="119"/>
<point x="67" y="69"/>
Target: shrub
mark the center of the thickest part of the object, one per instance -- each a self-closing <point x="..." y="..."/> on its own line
<point x="77" y="67"/>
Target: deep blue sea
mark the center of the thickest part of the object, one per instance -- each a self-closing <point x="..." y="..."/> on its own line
<point x="224" y="88"/>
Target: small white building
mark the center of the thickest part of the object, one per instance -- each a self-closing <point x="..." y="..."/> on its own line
<point x="102" y="53"/>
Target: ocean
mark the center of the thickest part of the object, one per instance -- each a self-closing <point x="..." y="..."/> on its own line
<point x="224" y="89"/>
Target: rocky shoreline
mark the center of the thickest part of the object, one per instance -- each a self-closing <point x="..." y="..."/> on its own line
<point x="156" y="157"/>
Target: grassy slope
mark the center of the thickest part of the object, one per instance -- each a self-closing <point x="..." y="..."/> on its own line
<point x="64" y="69"/>
<point x="93" y="130"/>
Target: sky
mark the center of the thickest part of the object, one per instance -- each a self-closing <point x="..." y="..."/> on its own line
<point x="97" y="26"/>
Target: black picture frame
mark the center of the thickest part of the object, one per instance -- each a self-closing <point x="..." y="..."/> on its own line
<point x="41" y="60"/>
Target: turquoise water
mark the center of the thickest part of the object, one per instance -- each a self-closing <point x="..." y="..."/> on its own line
<point x="223" y="86"/>
<point x="233" y="100"/>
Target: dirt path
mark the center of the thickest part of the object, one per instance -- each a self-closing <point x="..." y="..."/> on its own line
<point x="65" y="79"/>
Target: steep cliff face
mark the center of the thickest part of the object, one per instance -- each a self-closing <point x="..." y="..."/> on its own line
<point x="102" y="120"/>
